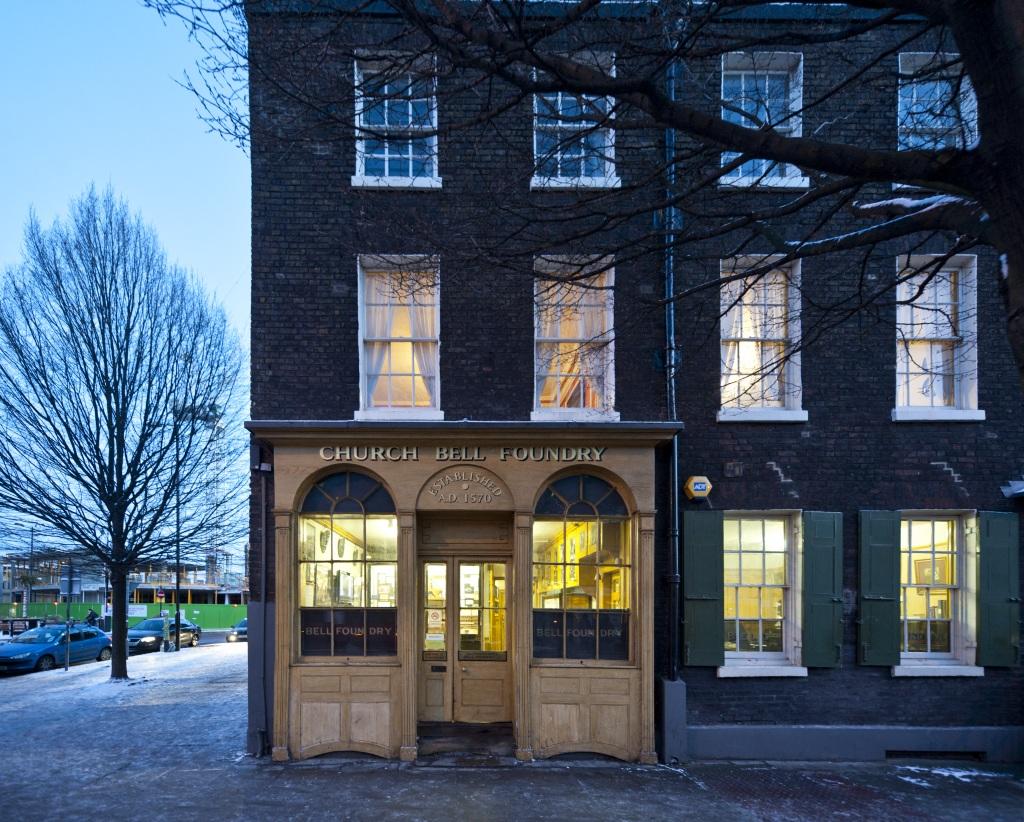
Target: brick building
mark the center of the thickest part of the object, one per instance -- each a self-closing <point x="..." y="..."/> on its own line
<point x="473" y="418"/>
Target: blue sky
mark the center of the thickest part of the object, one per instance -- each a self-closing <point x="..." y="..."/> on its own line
<point x="88" y="95"/>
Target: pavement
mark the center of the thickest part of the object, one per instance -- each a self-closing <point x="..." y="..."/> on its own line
<point x="168" y="744"/>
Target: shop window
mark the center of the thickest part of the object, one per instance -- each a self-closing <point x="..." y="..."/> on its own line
<point x="762" y="90"/>
<point x="582" y="571"/>
<point x="399" y="350"/>
<point x="348" y="569"/>
<point x="574" y="357"/>
<point x="760" y="328"/>
<point x="937" y="340"/>
<point x="396" y="124"/>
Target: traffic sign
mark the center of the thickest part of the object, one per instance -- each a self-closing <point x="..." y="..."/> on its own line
<point x="159" y="593"/>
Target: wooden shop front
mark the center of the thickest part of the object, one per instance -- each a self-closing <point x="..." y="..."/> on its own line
<point x="463" y="573"/>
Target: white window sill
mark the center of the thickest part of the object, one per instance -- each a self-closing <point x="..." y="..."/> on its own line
<point x="761" y="415"/>
<point x="738" y="670"/>
<point x="924" y="669"/>
<point x="572" y="183"/>
<point x="573" y="415"/>
<point x="398" y="414"/>
<point x="360" y="181"/>
<point x="764" y="182"/>
<point x="910" y="414"/>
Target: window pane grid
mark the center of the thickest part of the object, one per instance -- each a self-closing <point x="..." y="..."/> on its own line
<point x="395" y="116"/>
<point x="755" y="341"/>
<point x="929" y="345"/>
<point x="755" y="561"/>
<point x="572" y="353"/>
<point x="581" y="570"/>
<point x="400" y="339"/>
<point x="932" y="112"/>
<point x="929" y="582"/>
<point x="753" y="99"/>
<point x="569" y="140"/>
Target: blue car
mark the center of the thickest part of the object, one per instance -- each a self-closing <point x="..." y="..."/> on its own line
<point x="43" y="648"/>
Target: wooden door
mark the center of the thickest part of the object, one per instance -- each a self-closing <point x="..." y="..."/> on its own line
<point x="465" y="668"/>
<point x="483" y="670"/>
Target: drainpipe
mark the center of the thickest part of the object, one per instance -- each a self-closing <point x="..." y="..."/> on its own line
<point x="263" y="734"/>
<point x="671" y="226"/>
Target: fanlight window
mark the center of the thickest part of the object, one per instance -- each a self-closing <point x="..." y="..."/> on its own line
<point x="581" y="571"/>
<point x="348" y="568"/>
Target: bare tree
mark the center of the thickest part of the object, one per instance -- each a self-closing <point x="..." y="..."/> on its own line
<point x="117" y="377"/>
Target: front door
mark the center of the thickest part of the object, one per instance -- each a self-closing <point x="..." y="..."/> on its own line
<point x="465" y="664"/>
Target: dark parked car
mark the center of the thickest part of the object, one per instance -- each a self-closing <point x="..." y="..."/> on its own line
<point x="240" y="633"/>
<point x="43" y="648"/>
<point x="148" y="635"/>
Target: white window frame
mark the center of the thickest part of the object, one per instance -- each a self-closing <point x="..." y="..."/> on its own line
<point x="911" y="62"/>
<point x="599" y="265"/>
<point x="783" y="175"/>
<point x="361" y="179"/>
<point x="788" y="663"/>
<point x="793" y="410"/>
<point x="610" y="178"/>
<point x="963" y="629"/>
<point x="965" y="408"/>
<point x="399" y="262"/>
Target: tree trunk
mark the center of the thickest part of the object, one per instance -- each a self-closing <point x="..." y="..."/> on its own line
<point x="119" y="623"/>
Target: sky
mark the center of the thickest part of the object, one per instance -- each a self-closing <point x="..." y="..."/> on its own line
<point x="88" y="94"/>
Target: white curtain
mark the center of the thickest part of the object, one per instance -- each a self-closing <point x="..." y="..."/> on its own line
<point x="421" y="311"/>
<point x="376" y="315"/>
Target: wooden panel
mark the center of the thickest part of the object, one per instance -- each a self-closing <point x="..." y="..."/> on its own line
<point x="587" y="709"/>
<point x="370" y="684"/>
<point x="558" y="724"/>
<point x="610" y="686"/>
<point x="321" y="684"/>
<point x="483" y="692"/>
<point x="371" y="723"/>
<point x="345" y="708"/>
<point x="434" y="693"/>
<point x="321" y="723"/>
<point x="609" y="725"/>
<point x="440" y="531"/>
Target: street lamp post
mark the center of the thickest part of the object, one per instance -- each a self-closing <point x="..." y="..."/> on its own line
<point x="177" y="547"/>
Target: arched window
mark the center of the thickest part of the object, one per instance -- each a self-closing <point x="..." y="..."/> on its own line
<point x="348" y="568"/>
<point x="581" y="571"/>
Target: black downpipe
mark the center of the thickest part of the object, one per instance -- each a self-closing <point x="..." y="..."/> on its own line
<point x="265" y="731"/>
<point x="671" y="221"/>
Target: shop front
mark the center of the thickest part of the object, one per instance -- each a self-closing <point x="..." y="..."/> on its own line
<point x="466" y="573"/>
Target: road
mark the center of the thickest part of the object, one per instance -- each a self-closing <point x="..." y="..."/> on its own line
<point x="168" y="745"/>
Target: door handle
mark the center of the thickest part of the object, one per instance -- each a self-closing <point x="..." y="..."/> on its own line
<point x="465" y="670"/>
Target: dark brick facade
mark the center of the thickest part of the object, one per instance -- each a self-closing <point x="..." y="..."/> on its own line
<point x="309" y="224"/>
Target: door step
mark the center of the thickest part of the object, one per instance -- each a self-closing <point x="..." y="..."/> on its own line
<point x="480" y="745"/>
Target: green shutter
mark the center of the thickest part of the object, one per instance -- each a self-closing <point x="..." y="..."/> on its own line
<point x="822" y="590"/>
<point x="998" y="589"/>
<point x="703" y="575"/>
<point x="879" y="621"/>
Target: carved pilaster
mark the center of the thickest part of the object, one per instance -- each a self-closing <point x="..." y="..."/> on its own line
<point x="645" y="610"/>
<point x="283" y="631"/>
<point x="407" y="636"/>
<point x="522" y="647"/>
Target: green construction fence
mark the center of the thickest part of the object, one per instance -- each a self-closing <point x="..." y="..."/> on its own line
<point x="208" y="617"/>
